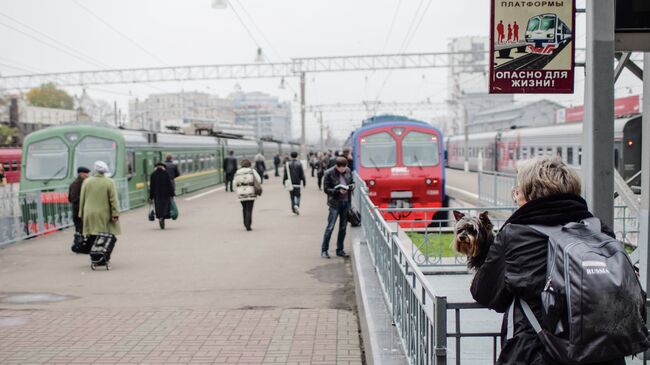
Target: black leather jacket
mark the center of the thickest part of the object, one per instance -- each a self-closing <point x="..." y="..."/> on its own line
<point x="516" y="265"/>
<point x="330" y="180"/>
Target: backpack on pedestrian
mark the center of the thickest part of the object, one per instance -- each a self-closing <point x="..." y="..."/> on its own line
<point x="593" y="304"/>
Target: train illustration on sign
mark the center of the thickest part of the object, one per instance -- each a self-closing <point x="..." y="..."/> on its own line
<point x="546" y="33"/>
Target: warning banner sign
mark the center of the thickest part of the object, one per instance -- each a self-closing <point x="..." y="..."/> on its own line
<point x="532" y="46"/>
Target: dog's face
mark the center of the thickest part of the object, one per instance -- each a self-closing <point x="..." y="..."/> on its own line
<point x="473" y="237"/>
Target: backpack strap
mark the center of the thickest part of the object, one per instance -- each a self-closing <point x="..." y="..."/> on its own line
<point x="531" y="316"/>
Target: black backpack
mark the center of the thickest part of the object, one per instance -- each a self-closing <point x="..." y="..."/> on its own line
<point x="593" y="303"/>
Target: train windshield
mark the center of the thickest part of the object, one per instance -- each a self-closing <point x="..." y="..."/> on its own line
<point x="533" y="24"/>
<point x="420" y="149"/>
<point x="47" y="160"/>
<point x="378" y="150"/>
<point x="92" y="149"/>
<point x="548" y="22"/>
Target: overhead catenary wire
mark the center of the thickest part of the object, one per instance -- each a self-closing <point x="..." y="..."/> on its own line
<point x="89" y="59"/>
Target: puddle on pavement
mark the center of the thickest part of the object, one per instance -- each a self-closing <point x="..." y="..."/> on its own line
<point x="29" y="298"/>
<point x="14" y="321"/>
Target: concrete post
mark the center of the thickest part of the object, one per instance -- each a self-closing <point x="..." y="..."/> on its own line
<point x="303" y="143"/>
<point x="644" y="211"/>
<point x="598" y="130"/>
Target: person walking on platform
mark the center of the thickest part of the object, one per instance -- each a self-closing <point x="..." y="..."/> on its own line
<point x="229" y="169"/>
<point x="293" y="170"/>
<point x="331" y="160"/>
<point x="74" y="195"/>
<point x="260" y="165"/>
<point x="320" y="169"/>
<point x="276" y="164"/>
<point x="172" y="169"/>
<point x="161" y="192"/>
<point x="347" y="153"/>
<point x="98" y="205"/>
<point x="245" y="181"/>
<point x="338" y="185"/>
<point x="313" y="163"/>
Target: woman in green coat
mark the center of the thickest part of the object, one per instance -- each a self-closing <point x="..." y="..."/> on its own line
<point x="98" y="205"/>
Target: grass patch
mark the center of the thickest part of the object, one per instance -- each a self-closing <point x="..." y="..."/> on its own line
<point x="433" y="244"/>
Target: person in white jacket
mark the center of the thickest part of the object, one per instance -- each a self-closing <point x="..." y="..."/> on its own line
<point x="245" y="179"/>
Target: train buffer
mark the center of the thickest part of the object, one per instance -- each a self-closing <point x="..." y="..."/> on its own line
<point x="504" y="49"/>
<point x="202" y="290"/>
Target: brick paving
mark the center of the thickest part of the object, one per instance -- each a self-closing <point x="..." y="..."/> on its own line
<point x="160" y="336"/>
<point x="227" y="297"/>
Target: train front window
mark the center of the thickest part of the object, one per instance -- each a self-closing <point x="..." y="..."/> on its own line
<point x="548" y="23"/>
<point x="378" y="150"/>
<point x="421" y="149"/>
<point x="92" y="149"/>
<point x="533" y="24"/>
<point x="47" y="160"/>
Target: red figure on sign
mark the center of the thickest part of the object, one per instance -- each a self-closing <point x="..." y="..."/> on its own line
<point x="515" y="29"/>
<point x="509" y="33"/>
<point x="500" y="32"/>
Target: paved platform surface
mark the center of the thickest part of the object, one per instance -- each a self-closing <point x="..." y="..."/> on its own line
<point x="202" y="291"/>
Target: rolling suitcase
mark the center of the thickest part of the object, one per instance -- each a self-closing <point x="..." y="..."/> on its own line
<point x="100" y="253"/>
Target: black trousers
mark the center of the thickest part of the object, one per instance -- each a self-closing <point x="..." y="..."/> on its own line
<point x="229" y="179"/>
<point x="247" y="208"/>
<point x="277" y="170"/>
<point x="78" y="222"/>
<point x="320" y="180"/>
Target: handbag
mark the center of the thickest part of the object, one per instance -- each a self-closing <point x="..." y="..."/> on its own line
<point x="288" y="184"/>
<point x="257" y="186"/>
<point x="173" y="210"/>
<point x="151" y="216"/>
<point x="354" y="217"/>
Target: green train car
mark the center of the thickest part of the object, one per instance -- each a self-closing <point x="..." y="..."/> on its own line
<point x="51" y="157"/>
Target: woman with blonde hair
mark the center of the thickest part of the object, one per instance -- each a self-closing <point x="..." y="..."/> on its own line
<point x="548" y="194"/>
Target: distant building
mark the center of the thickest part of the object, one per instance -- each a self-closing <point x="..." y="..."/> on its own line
<point x="517" y="115"/>
<point x="158" y="109"/>
<point x="467" y="82"/>
<point x="15" y="112"/>
<point x="265" y="113"/>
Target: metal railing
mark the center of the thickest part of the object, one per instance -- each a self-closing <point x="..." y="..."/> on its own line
<point x="430" y="240"/>
<point x="31" y="213"/>
<point x="420" y="316"/>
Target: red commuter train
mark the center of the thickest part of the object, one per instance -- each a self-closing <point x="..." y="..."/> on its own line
<point x="402" y="162"/>
<point x="10" y="160"/>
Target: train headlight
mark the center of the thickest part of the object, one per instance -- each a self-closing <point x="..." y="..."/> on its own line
<point x="428" y="181"/>
<point x="371" y="183"/>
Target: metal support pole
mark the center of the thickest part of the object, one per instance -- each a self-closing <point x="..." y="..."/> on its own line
<point x="440" y="334"/>
<point x="303" y="144"/>
<point x="320" y="120"/>
<point x="466" y="132"/>
<point x="644" y="212"/>
<point x="598" y="131"/>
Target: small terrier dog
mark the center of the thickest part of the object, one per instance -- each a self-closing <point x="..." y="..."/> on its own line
<point x="474" y="237"/>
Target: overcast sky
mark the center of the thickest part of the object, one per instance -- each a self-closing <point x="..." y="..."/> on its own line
<point x="142" y="33"/>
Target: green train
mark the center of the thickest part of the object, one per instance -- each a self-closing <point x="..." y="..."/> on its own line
<point x="51" y="157"/>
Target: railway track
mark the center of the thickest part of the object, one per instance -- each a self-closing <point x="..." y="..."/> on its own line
<point x="530" y="61"/>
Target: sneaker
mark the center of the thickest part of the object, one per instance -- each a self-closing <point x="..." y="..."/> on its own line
<point x="342" y="254"/>
<point x="295" y="210"/>
<point x="325" y="255"/>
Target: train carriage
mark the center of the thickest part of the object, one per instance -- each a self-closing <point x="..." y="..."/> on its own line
<point x="546" y="33"/>
<point x="402" y="162"/>
<point x="564" y="140"/>
<point x="10" y="160"/>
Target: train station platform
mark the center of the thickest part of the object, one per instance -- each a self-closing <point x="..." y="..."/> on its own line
<point x="201" y="291"/>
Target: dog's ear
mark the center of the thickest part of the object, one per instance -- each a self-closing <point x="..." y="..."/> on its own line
<point x="483" y="217"/>
<point x="458" y="215"/>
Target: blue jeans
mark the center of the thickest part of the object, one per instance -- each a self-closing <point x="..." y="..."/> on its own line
<point x="295" y="196"/>
<point x="342" y="212"/>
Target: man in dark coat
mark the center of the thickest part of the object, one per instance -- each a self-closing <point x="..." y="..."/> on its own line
<point x="548" y="194"/>
<point x="297" y="175"/>
<point x="338" y="201"/>
<point x="161" y="191"/>
<point x="229" y="169"/>
<point x="172" y="169"/>
<point x="74" y="193"/>
<point x="276" y="164"/>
